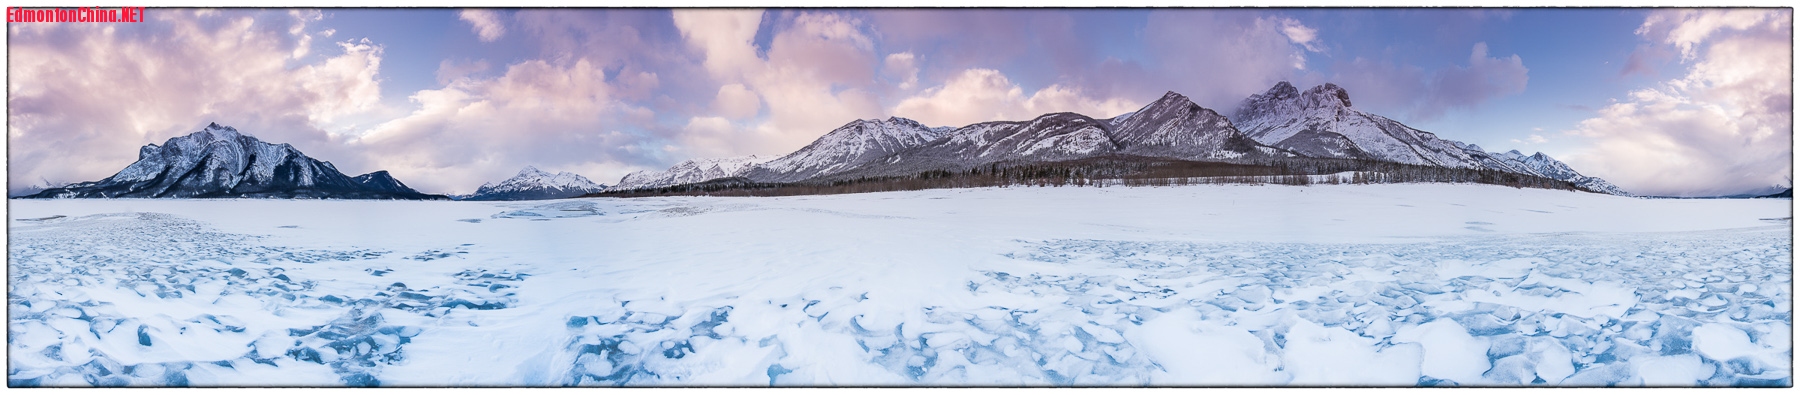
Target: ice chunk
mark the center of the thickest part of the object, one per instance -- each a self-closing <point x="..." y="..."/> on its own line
<point x="1450" y="353"/>
<point x="1722" y="342"/>
<point x="1195" y="352"/>
<point x="1550" y="360"/>
<point x="1102" y="334"/>
<point x="1670" y="370"/>
<point x="1512" y="370"/>
<point x="1569" y="296"/>
<point x="1317" y="355"/>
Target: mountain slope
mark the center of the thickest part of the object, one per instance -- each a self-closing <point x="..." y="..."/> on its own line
<point x="689" y="171"/>
<point x="1544" y="166"/>
<point x="534" y="184"/>
<point x="1175" y="127"/>
<point x="844" y="148"/>
<point x="220" y="162"/>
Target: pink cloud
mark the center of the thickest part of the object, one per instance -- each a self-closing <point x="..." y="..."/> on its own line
<point x="538" y="113"/>
<point x="981" y="95"/>
<point x="1724" y="127"/>
<point x="77" y="92"/>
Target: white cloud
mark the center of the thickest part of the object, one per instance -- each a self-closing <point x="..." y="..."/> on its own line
<point x="902" y="67"/>
<point x="714" y="137"/>
<point x="818" y="73"/>
<point x="350" y="76"/>
<point x="1300" y="34"/>
<point x="736" y="101"/>
<point x="1533" y="139"/>
<point x="981" y="95"/>
<point x="485" y="23"/>
<point x="1688" y="29"/>
<point x="723" y="36"/>
<point x="1724" y="127"/>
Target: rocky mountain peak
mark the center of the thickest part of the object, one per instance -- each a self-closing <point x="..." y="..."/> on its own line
<point x="220" y="162"/>
<point x="1281" y="91"/>
<point x="1327" y="94"/>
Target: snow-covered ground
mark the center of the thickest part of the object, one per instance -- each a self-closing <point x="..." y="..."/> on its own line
<point x="1207" y="285"/>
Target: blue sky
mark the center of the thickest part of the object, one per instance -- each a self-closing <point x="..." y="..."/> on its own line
<point x="1664" y="101"/>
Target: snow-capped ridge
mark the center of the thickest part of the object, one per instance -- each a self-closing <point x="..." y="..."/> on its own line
<point x="1542" y="165"/>
<point x="1281" y="122"/>
<point x="690" y="171"/>
<point x="531" y="184"/>
<point x="845" y="148"/>
<point x="220" y="161"/>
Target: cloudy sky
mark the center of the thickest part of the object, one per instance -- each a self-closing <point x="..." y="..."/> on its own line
<point x="1662" y="102"/>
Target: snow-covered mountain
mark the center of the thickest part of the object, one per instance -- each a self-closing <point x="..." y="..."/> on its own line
<point x="218" y="162"/>
<point x="690" y="171"/>
<point x="1544" y="166"/>
<point x="847" y="147"/>
<point x="1321" y="123"/>
<point x="534" y="184"/>
<point x="1280" y="123"/>
<point x="1051" y="137"/>
<point x="1171" y="127"/>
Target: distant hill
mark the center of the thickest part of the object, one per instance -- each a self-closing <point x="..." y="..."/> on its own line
<point x="534" y="184"/>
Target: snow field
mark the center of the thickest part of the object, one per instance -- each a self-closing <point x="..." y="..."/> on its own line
<point x="1196" y="285"/>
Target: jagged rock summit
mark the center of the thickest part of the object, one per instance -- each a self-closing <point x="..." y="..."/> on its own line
<point x="221" y="162"/>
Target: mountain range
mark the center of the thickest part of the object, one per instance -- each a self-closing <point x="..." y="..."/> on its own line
<point x="1282" y="122"/>
<point x="690" y="171"/>
<point x="1171" y="127"/>
<point x="220" y="162"/>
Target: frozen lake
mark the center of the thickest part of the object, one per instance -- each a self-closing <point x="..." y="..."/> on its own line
<point x="1195" y="285"/>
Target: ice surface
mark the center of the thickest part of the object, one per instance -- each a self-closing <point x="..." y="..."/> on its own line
<point x="1195" y="285"/>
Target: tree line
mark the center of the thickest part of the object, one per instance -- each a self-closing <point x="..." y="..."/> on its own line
<point x="1117" y="171"/>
